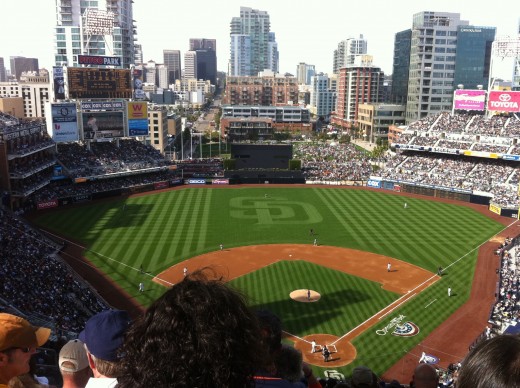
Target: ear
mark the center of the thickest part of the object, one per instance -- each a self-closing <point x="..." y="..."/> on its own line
<point x="91" y="363"/>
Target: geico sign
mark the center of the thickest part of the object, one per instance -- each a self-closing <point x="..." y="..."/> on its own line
<point x="372" y="183"/>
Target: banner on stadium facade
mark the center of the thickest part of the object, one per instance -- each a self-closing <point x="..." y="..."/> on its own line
<point x="397" y="188"/>
<point x="504" y="101"/>
<point x="59" y="82"/>
<point x="470" y="99"/>
<point x="64" y="126"/>
<point x="137" y="83"/>
<point x="443" y="150"/>
<point x="510" y="157"/>
<point x="137" y="118"/>
<point x="481" y="154"/>
<point x="102" y="105"/>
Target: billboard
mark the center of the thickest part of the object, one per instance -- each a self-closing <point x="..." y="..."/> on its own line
<point x="504" y="101"/>
<point x="102" y="125"/>
<point x="137" y="118"/>
<point x="470" y="99"/>
<point x="64" y="126"/>
<point x="88" y="82"/>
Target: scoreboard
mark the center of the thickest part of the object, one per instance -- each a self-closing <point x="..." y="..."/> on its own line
<point x="86" y="82"/>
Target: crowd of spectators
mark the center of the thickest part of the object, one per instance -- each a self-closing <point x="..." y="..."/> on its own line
<point x="507" y="308"/>
<point x="35" y="281"/>
<point x="334" y="162"/>
<point x="492" y="176"/>
<point x="108" y="157"/>
<point x="62" y="189"/>
<point x="207" y="167"/>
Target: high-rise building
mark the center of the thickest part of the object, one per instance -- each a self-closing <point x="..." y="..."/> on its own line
<point x="401" y="67"/>
<point x="102" y="27"/>
<point x="323" y="96"/>
<point x="269" y="89"/>
<point x="22" y="64"/>
<point x="473" y="56"/>
<point x="273" y="57"/>
<point x="138" y="54"/>
<point x="433" y="52"/>
<point x="304" y="72"/>
<point x="172" y="60"/>
<point x="357" y="84"/>
<point x="3" y="75"/>
<point x="203" y="44"/>
<point x="206" y="50"/>
<point x="249" y="42"/>
<point x="162" y="76"/>
<point x="190" y="64"/>
<point x="347" y="51"/>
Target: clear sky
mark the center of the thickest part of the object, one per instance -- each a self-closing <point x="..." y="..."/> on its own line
<point x="305" y="31"/>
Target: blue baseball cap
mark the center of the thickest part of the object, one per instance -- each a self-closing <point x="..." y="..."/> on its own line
<point x="104" y="333"/>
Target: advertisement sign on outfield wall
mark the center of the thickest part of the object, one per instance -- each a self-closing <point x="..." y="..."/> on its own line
<point x="504" y="101"/>
<point x="220" y="181"/>
<point x="196" y="181"/>
<point x="470" y="99"/>
<point x="47" y="204"/>
<point x="374" y="183"/>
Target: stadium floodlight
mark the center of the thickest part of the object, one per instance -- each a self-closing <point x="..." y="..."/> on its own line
<point x="98" y="22"/>
<point x="505" y="47"/>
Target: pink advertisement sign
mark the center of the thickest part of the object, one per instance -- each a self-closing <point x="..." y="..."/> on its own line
<point x="470" y="99"/>
<point x="504" y="101"/>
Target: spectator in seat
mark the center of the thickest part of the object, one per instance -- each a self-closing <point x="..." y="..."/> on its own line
<point x="425" y="376"/>
<point x="199" y="333"/>
<point x="103" y="336"/>
<point x="492" y="363"/>
<point x="363" y="377"/>
<point x="18" y="342"/>
<point x="73" y="364"/>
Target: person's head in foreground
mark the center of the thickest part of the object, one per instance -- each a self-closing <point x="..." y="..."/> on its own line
<point x="199" y="333"/>
<point x="18" y="342"/>
<point x="493" y="363"/>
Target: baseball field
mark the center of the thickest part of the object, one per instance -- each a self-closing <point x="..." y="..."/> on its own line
<point x="268" y="235"/>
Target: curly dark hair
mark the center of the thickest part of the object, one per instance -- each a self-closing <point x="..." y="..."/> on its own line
<point x="200" y="333"/>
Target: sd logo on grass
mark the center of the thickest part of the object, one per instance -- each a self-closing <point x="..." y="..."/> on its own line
<point x="274" y="210"/>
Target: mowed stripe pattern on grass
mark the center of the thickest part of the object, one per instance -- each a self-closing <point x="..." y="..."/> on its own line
<point x="342" y="295"/>
<point x="159" y="230"/>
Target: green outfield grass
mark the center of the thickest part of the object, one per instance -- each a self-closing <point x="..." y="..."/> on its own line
<point x="159" y="230"/>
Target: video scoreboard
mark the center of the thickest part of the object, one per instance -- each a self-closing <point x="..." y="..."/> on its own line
<point x="86" y="82"/>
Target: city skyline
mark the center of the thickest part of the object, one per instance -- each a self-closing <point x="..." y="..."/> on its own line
<point x="301" y="34"/>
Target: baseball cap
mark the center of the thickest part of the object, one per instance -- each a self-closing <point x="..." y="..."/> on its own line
<point x="16" y="332"/>
<point x="73" y="356"/>
<point x="104" y="333"/>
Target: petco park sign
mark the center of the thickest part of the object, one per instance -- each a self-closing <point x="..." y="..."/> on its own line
<point x="504" y="101"/>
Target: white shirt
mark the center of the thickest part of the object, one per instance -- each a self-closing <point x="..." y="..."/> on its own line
<point x="102" y="382"/>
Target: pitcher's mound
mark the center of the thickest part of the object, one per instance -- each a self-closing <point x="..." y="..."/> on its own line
<point x="306" y="296"/>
